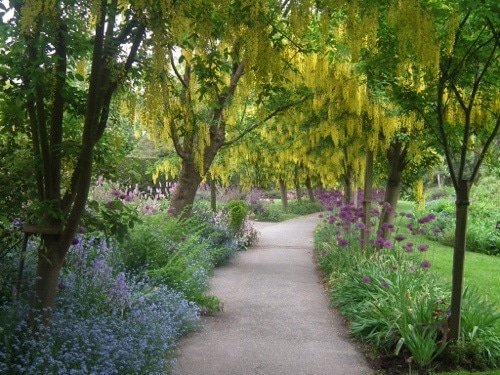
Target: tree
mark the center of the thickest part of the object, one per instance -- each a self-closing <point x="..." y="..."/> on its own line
<point x="50" y="41"/>
<point x="218" y="79"/>
<point x="466" y="116"/>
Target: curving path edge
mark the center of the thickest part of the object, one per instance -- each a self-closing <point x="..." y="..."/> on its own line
<point x="276" y="318"/>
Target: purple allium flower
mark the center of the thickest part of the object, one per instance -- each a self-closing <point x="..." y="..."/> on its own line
<point x="75" y="241"/>
<point x="342" y="242"/>
<point x="361" y="226"/>
<point x="332" y="219"/>
<point x="425" y="264"/>
<point x="408" y="247"/>
<point x="385" y="284"/>
<point x="423" y="248"/>
<point x="379" y="242"/>
<point x="388" y="226"/>
<point x="400" y="237"/>
<point x="387" y="244"/>
<point x="427" y="219"/>
<point x="366" y="280"/>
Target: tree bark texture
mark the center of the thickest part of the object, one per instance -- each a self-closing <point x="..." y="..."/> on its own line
<point x="310" y="191"/>
<point x="284" y="194"/>
<point x="367" y="200"/>
<point x="296" y="181"/>
<point x="396" y="157"/>
<point x="462" y="207"/>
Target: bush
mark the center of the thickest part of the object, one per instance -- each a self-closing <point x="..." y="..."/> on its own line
<point x="272" y="212"/>
<point x="304" y="207"/>
<point x="238" y="211"/>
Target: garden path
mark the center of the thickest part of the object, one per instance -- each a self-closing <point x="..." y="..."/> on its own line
<point x="276" y="318"/>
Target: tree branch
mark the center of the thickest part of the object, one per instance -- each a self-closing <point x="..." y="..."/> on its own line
<point x="176" y="72"/>
<point x="485" y="150"/>
<point x="267" y="118"/>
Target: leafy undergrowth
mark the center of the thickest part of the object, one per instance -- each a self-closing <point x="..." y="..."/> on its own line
<point x="397" y="303"/>
<point x="274" y="211"/>
<point x="121" y="305"/>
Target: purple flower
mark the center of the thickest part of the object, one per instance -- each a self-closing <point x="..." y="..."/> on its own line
<point x="408" y="247"/>
<point x="171" y="210"/>
<point x="332" y="219"/>
<point x="400" y="237"/>
<point x="75" y="241"/>
<point x="387" y="244"/>
<point x="423" y="248"/>
<point x="425" y="264"/>
<point x="379" y="242"/>
<point x="342" y="242"/>
<point x="116" y="193"/>
<point x="385" y="284"/>
<point x="388" y="226"/>
<point x="361" y="226"/>
<point x="82" y="229"/>
<point x="366" y="280"/>
<point x="427" y="219"/>
<point x="129" y="197"/>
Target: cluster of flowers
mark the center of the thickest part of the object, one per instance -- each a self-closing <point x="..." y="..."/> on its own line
<point x="348" y="226"/>
<point x="148" y="201"/>
<point x="105" y="322"/>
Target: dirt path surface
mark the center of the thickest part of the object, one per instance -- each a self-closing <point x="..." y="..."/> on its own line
<point x="276" y="318"/>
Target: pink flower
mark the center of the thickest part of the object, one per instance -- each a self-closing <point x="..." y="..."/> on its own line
<point x="423" y="248"/>
<point x="425" y="264"/>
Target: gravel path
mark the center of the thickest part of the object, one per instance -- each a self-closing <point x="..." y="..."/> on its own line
<point x="276" y="318"/>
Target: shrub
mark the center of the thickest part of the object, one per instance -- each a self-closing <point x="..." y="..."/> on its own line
<point x="304" y="207"/>
<point x="271" y="212"/>
<point x="238" y="211"/>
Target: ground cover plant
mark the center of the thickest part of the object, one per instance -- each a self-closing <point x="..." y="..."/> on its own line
<point x="127" y="292"/>
<point x="395" y="301"/>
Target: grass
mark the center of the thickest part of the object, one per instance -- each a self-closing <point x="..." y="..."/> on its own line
<point x="481" y="271"/>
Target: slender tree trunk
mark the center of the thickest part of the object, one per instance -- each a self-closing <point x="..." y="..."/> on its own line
<point x="396" y="156"/>
<point x="438" y="178"/>
<point x="213" y="193"/>
<point x="347" y="189"/>
<point x="284" y="194"/>
<point x="367" y="201"/>
<point x="309" y="188"/>
<point x="355" y="196"/>
<point x="296" y="182"/>
<point x="462" y="207"/>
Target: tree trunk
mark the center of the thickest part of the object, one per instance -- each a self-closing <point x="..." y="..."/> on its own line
<point x="367" y="201"/>
<point x="355" y="196"/>
<point x="396" y="156"/>
<point x="347" y="189"/>
<point x="284" y="194"/>
<point x="309" y="188"/>
<point x="47" y="279"/>
<point x="213" y="193"/>
<point x="462" y="206"/>
<point x="185" y="191"/>
<point x="296" y="182"/>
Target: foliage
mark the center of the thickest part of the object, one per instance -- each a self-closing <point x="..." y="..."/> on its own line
<point x="391" y="297"/>
<point x="238" y="211"/>
<point x="482" y="234"/>
<point x="182" y="253"/>
<point x="128" y="326"/>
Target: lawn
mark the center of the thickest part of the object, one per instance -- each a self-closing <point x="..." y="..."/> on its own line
<point x="481" y="271"/>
